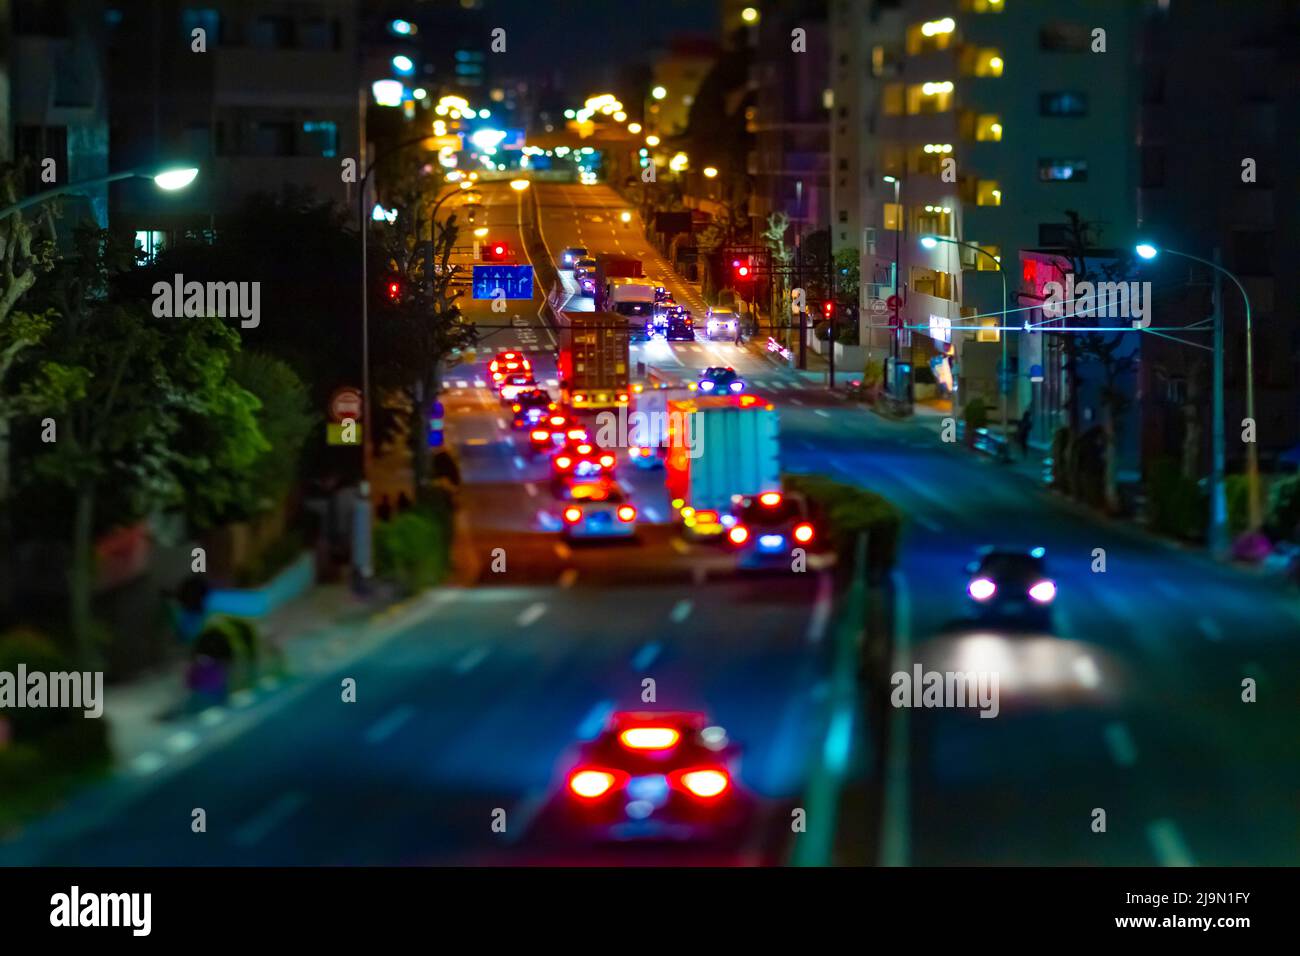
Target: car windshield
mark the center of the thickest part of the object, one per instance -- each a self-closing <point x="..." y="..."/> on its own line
<point x="760" y="515"/>
<point x="1004" y="566"/>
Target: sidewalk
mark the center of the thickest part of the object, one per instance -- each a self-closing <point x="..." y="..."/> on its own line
<point x="155" y="714"/>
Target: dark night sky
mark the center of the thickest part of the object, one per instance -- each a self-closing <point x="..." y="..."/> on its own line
<point x="587" y="40"/>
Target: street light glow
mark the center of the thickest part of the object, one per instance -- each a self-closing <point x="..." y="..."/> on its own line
<point x="652" y="140"/>
<point x="403" y="64"/>
<point x="659" y="92"/>
<point x="519" y="185"/>
<point x="929" y="242"/>
<point x="388" y="92"/>
<point x="173" y="179"/>
<point x="634" y="128"/>
<point x="710" y="172"/>
<point x="1146" y="250"/>
<point x="749" y="15"/>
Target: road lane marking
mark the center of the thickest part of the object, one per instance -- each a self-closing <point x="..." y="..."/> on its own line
<point x="796" y="401"/>
<point x="531" y="613"/>
<point x="822" y="413"/>
<point x="461" y="383"/>
<point x="182" y="741"/>
<point x="563" y="551"/>
<point x="1210" y="628"/>
<point x="568" y="576"/>
<point x="1120" y="742"/>
<point x="388" y="725"/>
<point x="147" y="763"/>
<point x="500" y="424"/>
<point x="479" y="383"/>
<point x="652" y="513"/>
<point x="681" y="610"/>
<point x="594" y="722"/>
<point x="926" y="523"/>
<point x="821" y="614"/>
<point x="472" y="660"/>
<point x="279" y="810"/>
<point x="1085" y="668"/>
<point x="519" y="463"/>
<point x="1167" y="843"/>
<point x="646" y="656"/>
<point x="1168" y="590"/>
<point x="531" y="489"/>
<point x="896" y="819"/>
<point x="680" y="546"/>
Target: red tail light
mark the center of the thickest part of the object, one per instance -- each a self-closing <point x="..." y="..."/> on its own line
<point x="626" y="513"/>
<point x="563" y="462"/>
<point x="706" y="517"/>
<point x="706" y="783"/>
<point x="557" y="420"/>
<point x="572" y="515"/>
<point x="539" y="435"/>
<point x="606" y="461"/>
<point x="803" y="533"/>
<point x="590" y="784"/>
<point x="739" y="534"/>
<point x="649" y="738"/>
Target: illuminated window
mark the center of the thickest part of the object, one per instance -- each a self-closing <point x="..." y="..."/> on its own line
<point x="983" y="6"/>
<point x="988" y="193"/>
<point x="933" y="97"/>
<point x="1063" y="104"/>
<point x="893" y="216"/>
<point x="1063" y="170"/>
<point x="988" y="128"/>
<point x="884" y="61"/>
<point x="982" y="61"/>
<point x="989" y="332"/>
<point x="931" y="36"/>
<point x="932" y="220"/>
<point x="932" y="282"/>
<point x="983" y="263"/>
<point x="892" y="99"/>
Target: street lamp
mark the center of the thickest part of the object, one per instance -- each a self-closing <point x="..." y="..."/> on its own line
<point x="710" y="172"/>
<point x="931" y="242"/>
<point x="170" y="179"/>
<point x="1218" y="493"/>
<point x="896" y="340"/>
<point x="519" y="185"/>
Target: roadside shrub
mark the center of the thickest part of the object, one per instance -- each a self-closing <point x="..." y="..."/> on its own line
<point x="1282" y="518"/>
<point x="1175" y="503"/>
<point x="414" y="548"/>
<point x="845" y="510"/>
<point x="39" y="653"/>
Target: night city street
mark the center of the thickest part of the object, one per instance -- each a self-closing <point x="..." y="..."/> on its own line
<point x="855" y="434"/>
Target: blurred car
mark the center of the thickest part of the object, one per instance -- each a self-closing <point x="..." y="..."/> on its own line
<point x="663" y="296"/>
<point x="720" y="323"/>
<point x="550" y="433"/>
<point x="578" y="460"/>
<point x="647" y="458"/>
<point x="1011" y="586"/>
<point x="720" y="380"/>
<point x="648" y="776"/>
<point x="765" y="528"/>
<point x="506" y="363"/>
<point x="532" y="408"/>
<point x="570" y="256"/>
<point x="681" y="326"/>
<point x="514" y="383"/>
<point x="597" y="509"/>
<point x="585" y="266"/>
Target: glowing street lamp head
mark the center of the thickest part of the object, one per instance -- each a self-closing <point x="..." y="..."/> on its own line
<point x="659" y="92"/>
<point x="891" y="179"/>
<point x="173" y="179"/>
<point x="625" y="216"/>
<point x="749" y="15"/>
<point x="1146" y="250"/>
<point x="652" y="140"/>
<point x="929" y="242"/>
<point x="403" y="64"/>
<point x="519" y="185"/>
<point x="710" y="172"/>
<point x="634" y="128"/>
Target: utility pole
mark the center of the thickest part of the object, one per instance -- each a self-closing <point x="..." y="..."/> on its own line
<point x="1218" y="494"/>
<point x="830" y="297"/>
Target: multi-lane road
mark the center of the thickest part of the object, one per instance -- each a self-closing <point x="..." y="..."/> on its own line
<point x="1133" y="706"/>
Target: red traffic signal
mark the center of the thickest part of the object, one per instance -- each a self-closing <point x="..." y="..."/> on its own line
<point x="828" y="308"/>
<point x="394" y="290"/>
<point x="496" y="251"/>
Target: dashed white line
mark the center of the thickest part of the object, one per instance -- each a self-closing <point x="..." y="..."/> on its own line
<point x="646" y="656"/>
<point x="472" y="660"/>
<point x="1122" y="749"/>
<point x="530" y="614"/>
<point x="653" y="514"/>
<point x="567" y="577"/>
<point x="519" y="463"/>
<point x="531" y="489"/>
<point x="821" y="614"/>
<point x="279" y="810"/>
<point x="1210" y="628"/>
<point x="1167" y="843"/>
<point x="822" y="413"/>
<point x="681" y="610"/>
<point x="563" y="551"/>
<point x="388" y="725"/>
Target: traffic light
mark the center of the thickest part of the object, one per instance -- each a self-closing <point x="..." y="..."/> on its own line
<point x="394" y="289"/>
<point x="742" y="270"/>
<point x="496" y="250"/>
<point x="828" y="309"/>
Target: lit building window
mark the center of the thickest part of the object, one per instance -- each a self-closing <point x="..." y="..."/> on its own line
<point x="988" y="193"/>
<point x="934" y="97"/>
<point x="892" y="99"/>
<point x="988" y="128"/>
<point x="982" y="61"/>
<point x="893" y="216"/>
<point x="933" y="282"/>
<point x="148" y="243"/>
<point x="931" y="36"/>
<point x="983" y="6"/>
<point x="1063" y="170"/>
<point x="983" y="263"/>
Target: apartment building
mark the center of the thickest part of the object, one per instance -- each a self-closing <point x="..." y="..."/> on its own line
<point x="994" y="118"/>
<point x="273" y="101"/>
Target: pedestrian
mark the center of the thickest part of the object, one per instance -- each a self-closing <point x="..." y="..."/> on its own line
<point x="1022" y="431"/>
<point x="403" y="502"/>
<point x="739" y="338"/>
<point x="385" y="509"/>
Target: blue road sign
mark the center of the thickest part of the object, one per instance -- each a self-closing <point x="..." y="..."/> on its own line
<point x="515" y="281"/>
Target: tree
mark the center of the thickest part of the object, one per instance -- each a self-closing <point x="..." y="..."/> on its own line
<point x="774" y="235"/>
<point x="155" y="420"/>
<point x="284" y="418"/>
<point x="413" y="335"/>
<point x="1106" y="349"/>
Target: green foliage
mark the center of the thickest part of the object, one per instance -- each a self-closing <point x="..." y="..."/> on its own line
<point x="846" y="511"/>
<point x="284" y="418"/>
<point x="271" y="561"/>
<point x="414" y="548"/>
<point x="1176" y="505"/>
<point x="1237" y="491"/>
<point x="1282" y="519"/>
<point x="976" y="414"/>
<point x="39" y="653"/>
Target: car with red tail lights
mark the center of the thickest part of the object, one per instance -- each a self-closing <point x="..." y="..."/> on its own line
<point x="667" y="776"/>
<point x="596" y="509"/>
<point x="764" y="529"/>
